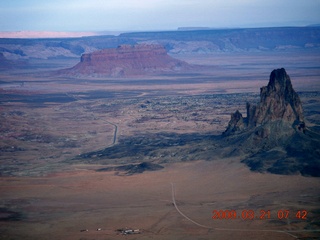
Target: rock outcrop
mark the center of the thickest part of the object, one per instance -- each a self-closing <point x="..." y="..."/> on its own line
<point x="278" y="102"/>
<point x="236" y="124"/>
<point x="273" y="135"/>
<point x="127" y="60"/>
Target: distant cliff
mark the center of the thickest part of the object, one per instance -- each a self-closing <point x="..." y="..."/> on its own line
<point x="175" y="42"/>
<point x="5" y="63"/>
<point x="125" y="61"/>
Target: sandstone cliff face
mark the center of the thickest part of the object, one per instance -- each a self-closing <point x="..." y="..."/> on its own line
<point x="274" y="136"/>
<point x="127" y="61"/>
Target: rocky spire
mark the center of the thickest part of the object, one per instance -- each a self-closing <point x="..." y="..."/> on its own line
<point x="278" y="102"/>
<point x="236" y="123"/>
<point x="273" y="137"/>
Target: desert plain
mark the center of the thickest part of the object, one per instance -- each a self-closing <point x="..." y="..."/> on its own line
<point x="54" y="128"/>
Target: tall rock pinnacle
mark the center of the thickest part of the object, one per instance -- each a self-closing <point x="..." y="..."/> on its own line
<point x="273" y="136"/>
<point x="278" y="102"/>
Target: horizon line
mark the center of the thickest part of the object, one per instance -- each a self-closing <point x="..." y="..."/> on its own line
<point x="30" y="34"/>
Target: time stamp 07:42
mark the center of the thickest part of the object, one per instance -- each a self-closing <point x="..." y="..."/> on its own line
<point x="248" y="214"/>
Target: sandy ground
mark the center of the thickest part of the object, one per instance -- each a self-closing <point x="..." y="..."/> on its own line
<point x="59" y="206"/>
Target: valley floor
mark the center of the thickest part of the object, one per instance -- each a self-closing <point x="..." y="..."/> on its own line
<point x="47" y="122"/>
<point x="59" y="206"/>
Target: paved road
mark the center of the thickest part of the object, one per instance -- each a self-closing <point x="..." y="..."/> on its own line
<point x="114" y="125"/>
<point x="115" y="132"/>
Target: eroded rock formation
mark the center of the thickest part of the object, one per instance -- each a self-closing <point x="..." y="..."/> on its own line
<point x="273" y="136"/>
<point x="278" y="102"/>
<point x="127" y="60"/>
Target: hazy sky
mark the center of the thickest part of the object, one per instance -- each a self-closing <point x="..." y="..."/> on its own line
<point x="108" y="15"/>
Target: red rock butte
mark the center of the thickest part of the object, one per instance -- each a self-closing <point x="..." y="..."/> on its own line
<point x="127" y="60"/>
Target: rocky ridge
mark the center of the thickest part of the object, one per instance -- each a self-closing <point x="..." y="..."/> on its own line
<point x="127" y="60"/>
<point x="176" y="42"/>
<point x="273" y="135"/>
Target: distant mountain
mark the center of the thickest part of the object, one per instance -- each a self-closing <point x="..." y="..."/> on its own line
<point x="274" y="133"/>
<point x="125" y="61"/>
<point x="175" y="42"/>
<point x="233" y="40"/>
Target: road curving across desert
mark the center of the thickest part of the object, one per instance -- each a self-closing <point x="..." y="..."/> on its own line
<point x="290" y="232"/>
<point x="114" y="133"/>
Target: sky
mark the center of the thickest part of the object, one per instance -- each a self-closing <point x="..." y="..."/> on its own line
<point x="148" y="15"/>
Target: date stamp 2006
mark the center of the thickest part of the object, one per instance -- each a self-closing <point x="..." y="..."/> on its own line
<point x="249" y="214"/>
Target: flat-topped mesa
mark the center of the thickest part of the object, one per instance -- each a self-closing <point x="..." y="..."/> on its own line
<point x="278" y="102"/>
<point x="127" y="60"/>
<point x="126" y="52"/>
